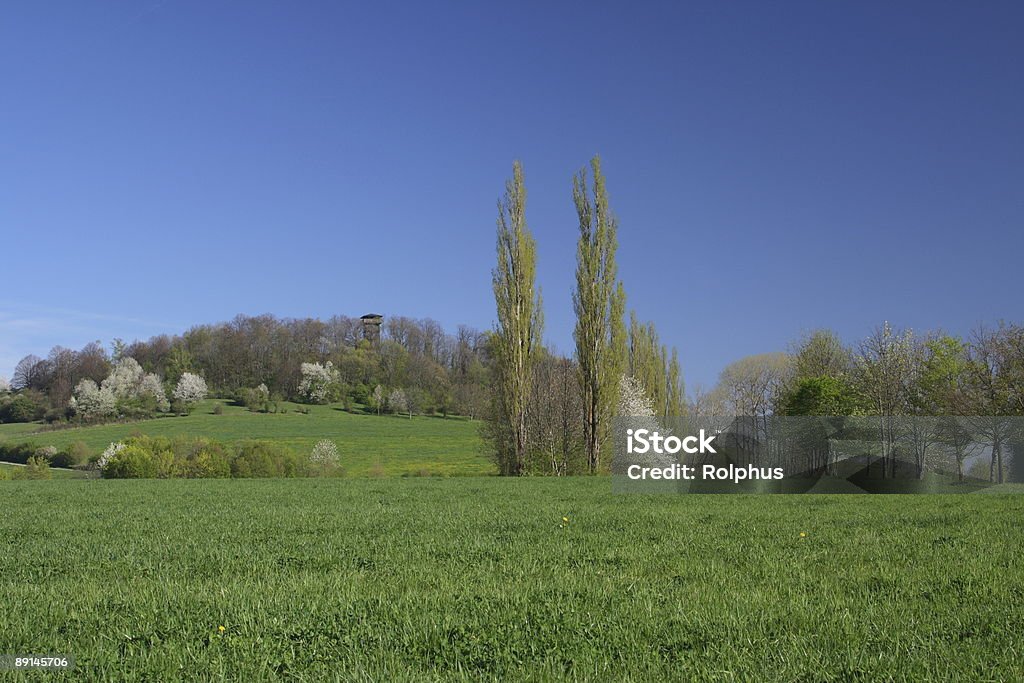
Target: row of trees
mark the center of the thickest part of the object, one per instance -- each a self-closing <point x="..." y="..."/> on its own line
<point x="261" y="360"/>
<point x="891" y="374"/>
<point x="553" y="414"/>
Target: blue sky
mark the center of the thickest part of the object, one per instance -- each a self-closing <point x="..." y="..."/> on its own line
<point x="775" y="167"/>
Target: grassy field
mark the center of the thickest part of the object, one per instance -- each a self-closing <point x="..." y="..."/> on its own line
<point x="368" y="444"/>
<point x="469" y="578"/>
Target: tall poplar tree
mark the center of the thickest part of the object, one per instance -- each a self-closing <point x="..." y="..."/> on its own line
<point x="520" y="321"/>
<point x="599" y="302"/>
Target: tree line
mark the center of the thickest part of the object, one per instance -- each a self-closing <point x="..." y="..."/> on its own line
<point x="415" y="367"/>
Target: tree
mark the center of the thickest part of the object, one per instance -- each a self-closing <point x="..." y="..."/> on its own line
<point x="128" y="382"/>
<point x="884" y="369"/>
<point x="27" y="373"/>
<point x="555" y="429"/>
<point x="599" y="302"/>
<point x="190" y="390"/>
<point x="91" y="402"/>
<point x="318" y="382"/>
<point x="992" y="391"/>
<point x="821" y="395"/>
<point x="520" y="320"/>
<point x="324" y="454"/>
<point x="5" y="386"/>
<point x="649" y="363"/>
<point x="821" y="354"/>
<point x="378" y="398"/>
<point x="398" y="403"/>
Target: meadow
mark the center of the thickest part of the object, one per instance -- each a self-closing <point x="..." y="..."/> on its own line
<point x="500" y="579"/>
<point x="386" y="445"/>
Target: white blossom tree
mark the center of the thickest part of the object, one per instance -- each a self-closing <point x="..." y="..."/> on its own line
<point x="398" y="403"/>
<point x="379" y="397"/>
<point x="317" y="381"/>
<point x="128" y="381"/>
<point x="108" y="454"/>
<point x="324" y="453"/>
<point x="151" y="386"/>
<point x="93" y="402"/>
<point x="190" y="390"/>
<point x="5" y="386"/>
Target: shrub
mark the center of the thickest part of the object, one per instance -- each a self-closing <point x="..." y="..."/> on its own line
<point x="256" y="400"/>
<point x="132" y="461"/>
<point x="18" y="453"/>
<point x="75" y="455"/>
<point x="25" y="406"/>
<point x="35" y="468"/>
<point x="218" y="409"/>
<point x="210" y="461"/>
<point x="264" y="459"/>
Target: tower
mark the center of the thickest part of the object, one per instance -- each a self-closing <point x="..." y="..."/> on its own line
<point x="371" y="327"/>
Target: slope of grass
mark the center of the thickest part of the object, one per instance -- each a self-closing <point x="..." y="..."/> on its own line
<point x="470" y="578"/>
<point x="368" y="444"/>
<point x="55" y="472"/>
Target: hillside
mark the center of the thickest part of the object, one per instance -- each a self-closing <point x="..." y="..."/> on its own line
<point x="368" y="444"/>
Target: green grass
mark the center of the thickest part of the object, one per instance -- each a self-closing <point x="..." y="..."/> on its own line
<point x="470" y="578"/>
<point x="368" y="444"/>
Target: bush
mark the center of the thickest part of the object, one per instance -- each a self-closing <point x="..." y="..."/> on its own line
<point x="17" y="453"/>
<point x="25" y="406"/>
<point x="257" y="400"/>
<point x="75" y="455"/>
<point x="218" y="409"/>
<point x="35" y="468"/>
<point x="211" y="461"/>
<point x="131" y="462"/>
<point x="264" y="459"/>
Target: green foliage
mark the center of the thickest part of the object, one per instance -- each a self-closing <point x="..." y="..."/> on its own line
<point x="134" y="461"/>
<point x="36" y="468"/>
<point x="266" y="459"/>
<point x="24" y="406"/>
<point x="517" y="335"/>
<point x="599" y="302"/>
<point x="823" y="395"/>
<point x="17" y="452"/>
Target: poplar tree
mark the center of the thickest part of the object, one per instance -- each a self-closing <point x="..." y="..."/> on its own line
<point x="520" y="321"/>
<point x="599" y="302"/>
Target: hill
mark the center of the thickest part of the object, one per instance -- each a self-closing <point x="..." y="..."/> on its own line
<point x="368" y="444"/>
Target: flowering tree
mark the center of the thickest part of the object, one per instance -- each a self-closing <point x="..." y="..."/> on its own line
<point x="317" y="381"/>
<point x="108" y="454"/>
<point x="128" y="381"/>
<point x="324" y="453"/>
<point x="151" y="386"/>
<point x="190" y="390"/>
<point x="378" y="397"/>
<point x="633" y="400"/>
<point x="93" y="402"/>
<point x="5" y="386"/>
<point x="635" y="404"/>
<point x="398" y="402"/>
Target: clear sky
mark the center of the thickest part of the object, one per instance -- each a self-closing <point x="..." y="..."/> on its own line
<point x="775" y="167"/>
